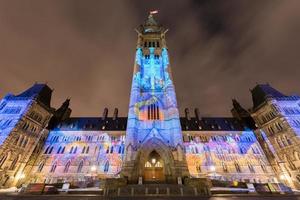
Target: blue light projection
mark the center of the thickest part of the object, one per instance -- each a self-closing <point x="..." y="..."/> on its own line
<point x="12" y="110"/>
<point x="153" y="107"/>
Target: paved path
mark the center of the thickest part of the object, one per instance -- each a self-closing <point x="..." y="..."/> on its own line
<point x="94" y="197"/>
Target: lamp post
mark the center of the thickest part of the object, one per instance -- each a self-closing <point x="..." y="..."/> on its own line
<point x="93" y="170"/>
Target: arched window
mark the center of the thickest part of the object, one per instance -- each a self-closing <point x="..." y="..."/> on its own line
<point x="224" y="166"/>
<point x="2" y="160"/>
<point x="58" y="151"/>
<point x="87" y="150"/>
<point x="79" y="170"/>
<point x="83" y="150"/>
<point x="25" y="143"/>
<point x="120" y="149"/>
<point x="111" y="149"/>
<point x="251" y="168"/>
<point x="41" y="165"/>
<point x="263" y="167"/>
<point x="158" y="164"/>
<point x="66" y="169"/>
<point x="106" y="166"/>
<point x="71" y="151"/>
<point x="13" y="164"/>
<point x="75" y="150"/>
<point x="237" y="167"/>
<point x="51" y="149"/>
<point x="63" y="150"/>
<point x="148" y="164"/>
<point x="53" y="167"/>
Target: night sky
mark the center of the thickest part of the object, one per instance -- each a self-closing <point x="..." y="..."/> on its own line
<point x="85" y="50"/>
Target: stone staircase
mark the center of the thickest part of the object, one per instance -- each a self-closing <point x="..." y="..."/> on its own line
<point x="156" y="190"/>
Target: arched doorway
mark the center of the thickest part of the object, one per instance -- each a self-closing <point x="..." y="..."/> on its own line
<point x="154" y="168"/>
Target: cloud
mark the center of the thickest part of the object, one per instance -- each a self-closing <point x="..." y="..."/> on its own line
<point x="85" y="50"/>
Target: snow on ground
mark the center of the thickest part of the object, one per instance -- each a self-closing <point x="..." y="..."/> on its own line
<point x="9" y="190"/>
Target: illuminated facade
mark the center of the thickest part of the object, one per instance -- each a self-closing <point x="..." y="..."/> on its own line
<point x="153" y="144"/>
<point x="153" y="126"/>
<point x="23" y="122"/>
<point x="278" y="119"/>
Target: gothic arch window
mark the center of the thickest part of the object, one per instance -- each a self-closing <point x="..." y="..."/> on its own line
<point x="298" y="178"/>
<point x="148" y="164"/>
<point x="51" y="149"/>
<point x="71" y="151"/>
<point x="66" y="169"/>
<point x="25" y="142"/>
<point x="158" y="164"/>
<point x="79" y="170"/>
<point x="106" y="166"/>
<point x="46" y="151"/>
<point x="14" y="163"/>
<point x="296" y="155"/>
<point x="63" y="150"/>
<point x="58" y="151"/>
<point x="198" y="168"/>
<point x="75" y="150"/>
<point x="288" y="140"/>
<point x="123" y="149"/>
<point x="2" y="105"/>
<point x="53" y="167"/>
<point x="153" y="112"/>
<point x="3" y="159"/>
<point x="263" y="167"/>
<point x="224" y="166"/>
<point x="16" y="141"/>
<point x="95" y="151"/>
<point x="251" y="168"/>
<point x="237" y="167"/>
<point x="41" y="165"/>
<point x="20" y="140"/>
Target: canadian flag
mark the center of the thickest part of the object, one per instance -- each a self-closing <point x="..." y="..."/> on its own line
<point x="153" y="12"/>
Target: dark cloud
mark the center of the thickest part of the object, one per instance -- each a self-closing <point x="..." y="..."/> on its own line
<point x="85" y="49"/>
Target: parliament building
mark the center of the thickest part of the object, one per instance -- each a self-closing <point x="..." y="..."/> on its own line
<point x="153" y="143"/>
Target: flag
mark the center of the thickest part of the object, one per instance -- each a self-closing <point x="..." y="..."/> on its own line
<point x="153" y="12"/>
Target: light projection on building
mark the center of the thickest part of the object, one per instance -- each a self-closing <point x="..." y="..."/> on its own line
<point x="79" y="156"/>
<point x="226" y="156"/>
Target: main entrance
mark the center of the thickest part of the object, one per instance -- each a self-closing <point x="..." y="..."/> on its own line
<point x="154" y="168"/>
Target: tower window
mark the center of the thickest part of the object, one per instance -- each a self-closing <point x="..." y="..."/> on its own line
<point x="153" y="112"/>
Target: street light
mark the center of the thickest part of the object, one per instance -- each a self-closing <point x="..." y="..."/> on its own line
<point x="212" y="168"/>
<point x="93" y="168"/>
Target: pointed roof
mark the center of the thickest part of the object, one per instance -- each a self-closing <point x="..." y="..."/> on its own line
<point x="261" y="92"/>
<point x="151" y="25"/>
<point x="151" y="21"/>
<point x="42" y="92"/>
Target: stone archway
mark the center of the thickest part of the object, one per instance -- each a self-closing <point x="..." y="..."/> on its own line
<point x="155" y="148"/>
<point x="154" y="168"/>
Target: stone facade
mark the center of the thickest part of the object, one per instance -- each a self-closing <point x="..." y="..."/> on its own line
<point x="153" y="144"/>
<point x="23" y="122"/>
<point x="153" y="120"/>
<point x="277" y="117"/>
